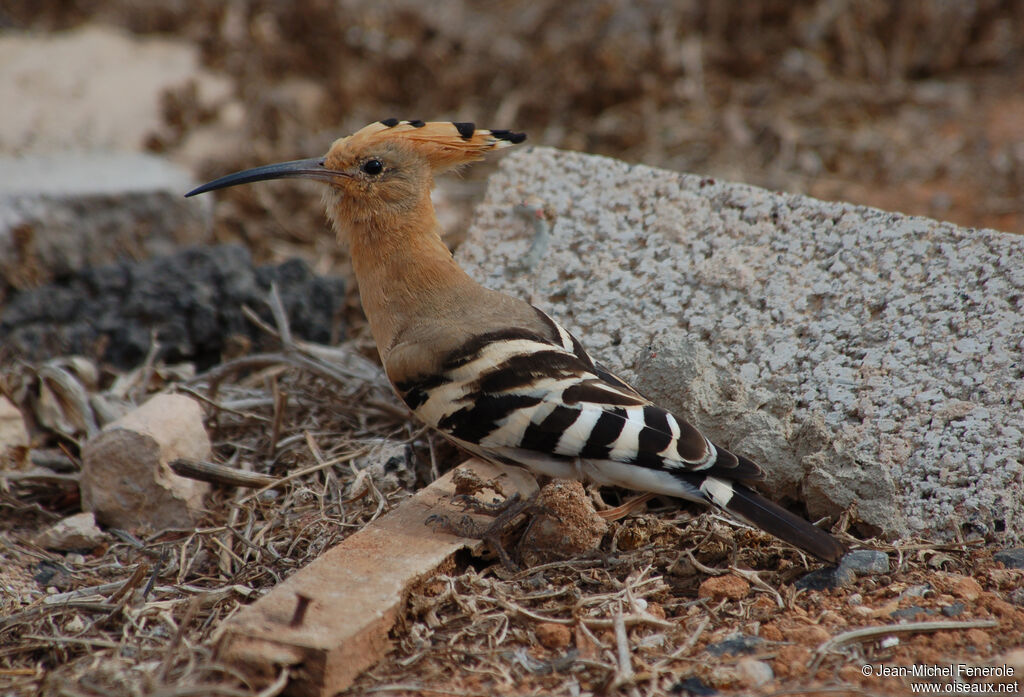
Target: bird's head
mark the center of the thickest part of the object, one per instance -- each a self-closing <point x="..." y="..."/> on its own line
<point x="383" y="171"/>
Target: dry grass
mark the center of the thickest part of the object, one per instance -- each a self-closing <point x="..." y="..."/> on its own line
<point x="140" y="615"/>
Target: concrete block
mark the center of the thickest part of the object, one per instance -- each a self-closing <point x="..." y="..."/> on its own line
<point x="62" y="213"/>
<point x="862" y="356"/>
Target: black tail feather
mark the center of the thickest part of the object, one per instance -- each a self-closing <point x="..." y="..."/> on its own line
<point x="776" y="520"/>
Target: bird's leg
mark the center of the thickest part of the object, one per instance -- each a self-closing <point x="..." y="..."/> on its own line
<point x="626" y="508"/>
<point x="494" y="510"/>
<point x="504" y="514"/>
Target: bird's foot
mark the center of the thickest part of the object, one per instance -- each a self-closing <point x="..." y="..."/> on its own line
<point x="495" y="509"/>
<point x="504" y="514"/>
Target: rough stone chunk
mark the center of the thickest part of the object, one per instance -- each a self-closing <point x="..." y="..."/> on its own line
<point x="1012" y="558"/>
<point x="553" y="636"/>
<point x="126" y="478"/>
<point x="77" y="532"/>
<point x="859" y="562"/>
<point x="866" y="562"/>
<point x="727" y="586"/>
<point x="191" y="299"/>
<point x="963" y="587"/>
<point x="568" y="526"/>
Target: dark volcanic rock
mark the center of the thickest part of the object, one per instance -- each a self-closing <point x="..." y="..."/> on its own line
<point x="192" y="300"/>
<point x="1011" y="558"/>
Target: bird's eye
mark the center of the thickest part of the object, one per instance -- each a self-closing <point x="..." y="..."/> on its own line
<point x="372" y="167"/>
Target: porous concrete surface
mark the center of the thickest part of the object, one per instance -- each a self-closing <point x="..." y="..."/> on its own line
<point x="863" y="357"/>
<point x="62" y="213"/>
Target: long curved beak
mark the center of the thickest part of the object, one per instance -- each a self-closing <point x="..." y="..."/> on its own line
<point x="312" y="168"/>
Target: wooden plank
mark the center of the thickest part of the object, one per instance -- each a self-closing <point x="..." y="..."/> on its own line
<point x="330" y="621"/>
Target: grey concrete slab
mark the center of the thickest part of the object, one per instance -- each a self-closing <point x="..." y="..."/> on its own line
<point x="863" y="357"/>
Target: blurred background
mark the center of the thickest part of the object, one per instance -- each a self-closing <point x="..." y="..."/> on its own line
<point x="913" y="106"/>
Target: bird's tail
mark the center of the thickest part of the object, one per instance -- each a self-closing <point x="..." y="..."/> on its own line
<point x="745" y="503"/>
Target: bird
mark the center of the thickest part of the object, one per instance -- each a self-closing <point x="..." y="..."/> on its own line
<point x="491" y="372"/>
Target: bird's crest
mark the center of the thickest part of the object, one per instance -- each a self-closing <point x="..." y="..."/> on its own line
<point x="444" y="144"/>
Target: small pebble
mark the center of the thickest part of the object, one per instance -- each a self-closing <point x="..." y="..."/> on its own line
<point x="727" y="586"/>
<point x="1011" y="558"/>
<point x="808" y="634"/>
<point x="45" y="572"/>
<point x="866" y="562"/>
<point x="909" y="613"/>
<point x="954" y="610"/>
<point x="978" y="639"/>
<point x="825" y="578"/>
<point x="860" y="562"/>
<point x="964" y="587"/>
<point x="735" y="644"/>
<point x="553" y="636"/>
<point x="692" y="687"/>
<point x="754" y="673"/>
<point x="916" y="591"/>
<point x="651" y="641"/>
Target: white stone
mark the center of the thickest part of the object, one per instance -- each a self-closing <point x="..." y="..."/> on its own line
<point x="753" y="673"/>
<point x="75" y="532"/>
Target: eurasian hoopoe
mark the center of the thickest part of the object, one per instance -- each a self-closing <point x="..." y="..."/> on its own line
<point x="492" y="373"/>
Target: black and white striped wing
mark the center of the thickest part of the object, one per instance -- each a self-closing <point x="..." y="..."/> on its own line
<point x="518" y="396"/>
